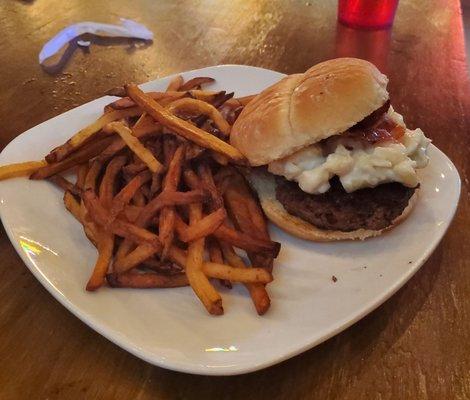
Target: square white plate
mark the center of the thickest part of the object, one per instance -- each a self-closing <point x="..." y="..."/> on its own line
<point x="169" y="327"/>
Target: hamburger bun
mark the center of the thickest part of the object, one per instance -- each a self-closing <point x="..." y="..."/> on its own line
<point x="264" y="184"/>
<point x="303" y="109"/>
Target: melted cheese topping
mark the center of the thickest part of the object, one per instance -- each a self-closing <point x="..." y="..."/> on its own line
<point x="357" y="165"/>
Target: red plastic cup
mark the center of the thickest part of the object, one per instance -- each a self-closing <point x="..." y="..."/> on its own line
<point x="367" y="14"/>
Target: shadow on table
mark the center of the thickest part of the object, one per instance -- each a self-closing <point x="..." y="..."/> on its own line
<point x="57" y="63"/>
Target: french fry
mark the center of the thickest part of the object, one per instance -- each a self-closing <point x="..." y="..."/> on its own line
<point x="127" y="192"/>
<point x="175" y="83"/>
<point x="82" y="155"/>
<point x="195" y="82"/>
<point x="128" y="258"/>
<point x="137" y="147"/>
<point x="164" y="98"/>
<point x="117" y="226"/>
<point x="20" y="169"/>
<point x="131" y="212"/>
<point x="195" y="182"/>
<point x="170" y="184"/>
<point x="82" y="171"/>
<point x="244" y="275"/>
<point x="64" y="184"/>
<point x="215" y="255"/>
<point x="197" y="107"/>
<point x="198" y="281"/>
<point x="168" y="199"/>
<point x="80" y="138"/>
<point x="207" y="178"/>
<point x="181" y="127"/>
<point x="204" y="227"/>
<point x="72" y="205"/>
<point x="247" y="242"/>
<point x="146" y="280"/>
<point x="257" y="291"/>
<point x="91" y="180"/>
<point x="105" y="254"/>
<point x="162" y="267"/>
<point x="106" y="191"/>
<point x="236" y="273"/>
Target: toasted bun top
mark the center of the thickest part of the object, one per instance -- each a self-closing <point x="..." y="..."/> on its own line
<point x="303" y="109"/>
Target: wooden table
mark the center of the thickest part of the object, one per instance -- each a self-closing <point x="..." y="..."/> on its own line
<point x="415" y="346"/>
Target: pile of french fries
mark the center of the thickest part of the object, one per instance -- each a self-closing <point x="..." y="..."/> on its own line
<point x="159" y="194"/>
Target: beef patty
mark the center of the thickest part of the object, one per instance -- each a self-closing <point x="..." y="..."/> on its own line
<point x="336" y="209"/>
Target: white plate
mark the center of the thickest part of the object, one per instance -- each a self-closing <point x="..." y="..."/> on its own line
<point x="169" y="327"/>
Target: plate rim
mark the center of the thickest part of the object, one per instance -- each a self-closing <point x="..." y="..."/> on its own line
<point x="117" y="338"/>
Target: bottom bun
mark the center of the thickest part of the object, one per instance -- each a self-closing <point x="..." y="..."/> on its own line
<point x="265" y="185"/>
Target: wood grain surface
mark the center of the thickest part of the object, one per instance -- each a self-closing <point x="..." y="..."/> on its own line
<point x="415" y="346"/>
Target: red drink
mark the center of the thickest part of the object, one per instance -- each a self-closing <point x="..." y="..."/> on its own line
<point x="367" y="14"/>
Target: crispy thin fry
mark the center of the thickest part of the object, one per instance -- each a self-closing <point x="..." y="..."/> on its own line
<point x="247" y="242"/>
<point x="146" y="280"/>
<point x="146" y="129"/>
<point x="245" y="275"/>
<point x="169" y="199"/>
<point x="127" y="192"/>
<point x="195" y="82"/>
<point x="257" y="291"/>
<point x="126" y="259"/>
<point x="139" y="198"/>
<point x="85" y="134"/>
<point x="236" y="273"/>
<point x="247" y="215"/>
<point x="72" y="205"/>
<point x="117" y="226"/>
<point x="82" y="155"/>
<point x="64" y="184"/>
<point x="82" y="172"/>
<point x="207" y="178"/>
<point x="132" y="212"/>
<point x="20" y="169"/>
<point x="198" y="281"/>
<point x="181" y="127"/>
<point x="167" y="215"/>
<point x="162" y="267"/>
<point x="194" y="182"/>
<point x="91" y="179"/>
<point x="108" y="182"/>
<point x="105" y="254"/>
<point x="175" y="83"/>
<point x="215" y="255"/>
<point x="197" y="107"/>
<point x="164" y="98"/>
<point x="204" y="227"/>
<point x="137" y="147"/>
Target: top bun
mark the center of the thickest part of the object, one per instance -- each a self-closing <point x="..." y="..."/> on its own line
<point x="303" y="109"/>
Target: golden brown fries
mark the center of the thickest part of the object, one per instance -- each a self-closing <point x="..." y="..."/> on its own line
<point x="198" y="281"/>
<point x="137" y="147"/>
<point x="198" y="107"/>
<point x="257" y="291"/>
<point x="20" y="169"/>
<point x="175" y="83"/>
<point x="85" y="134"/>
<point x="195" y="83"/>
<point x="182" y="127"/>
<point x="157" y="194"/>
<point x="83" y="155"/>
<point x="146" y="280"/>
